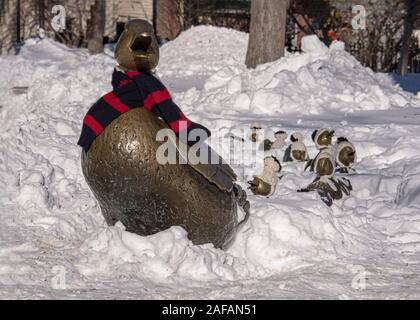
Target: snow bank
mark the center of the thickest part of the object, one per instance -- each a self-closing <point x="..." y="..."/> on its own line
<point x="293" y="244"/>
<point x="316" y="81"/>
<point x="113" y="250"/>
<point x="202" y="50"/>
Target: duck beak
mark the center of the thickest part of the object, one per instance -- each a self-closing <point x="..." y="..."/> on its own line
<point x="142" y="43"/>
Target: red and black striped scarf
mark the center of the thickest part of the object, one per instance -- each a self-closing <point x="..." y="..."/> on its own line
<point x="134" y="90"/>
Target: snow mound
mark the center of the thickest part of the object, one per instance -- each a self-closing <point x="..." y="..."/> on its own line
<point x="318" y="80"/>
<point x="203" y="50"/>
<point x="293" y="245"/>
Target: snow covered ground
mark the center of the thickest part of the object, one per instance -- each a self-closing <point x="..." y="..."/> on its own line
<point x="54" y="242"/>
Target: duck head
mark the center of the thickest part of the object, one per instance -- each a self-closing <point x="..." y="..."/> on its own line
<point x="137" y="48"/>
<point x="323" y="138"/>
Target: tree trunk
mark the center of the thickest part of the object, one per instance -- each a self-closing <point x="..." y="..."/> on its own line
<point x="97" y="27"/>
<point x="41" y="14"/>
<point x="267" y="32"/>
<point x="166" y="19"/>
<point x="18" y="38"/>
<point x="407" y="35"/>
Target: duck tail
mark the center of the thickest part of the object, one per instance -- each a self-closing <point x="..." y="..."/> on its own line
<point x="309" y="164"/>
<point x="267" y="145"/>
<point x="330" y="189"/>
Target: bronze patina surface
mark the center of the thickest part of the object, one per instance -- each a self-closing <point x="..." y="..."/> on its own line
<point x="347" y="156"/>
<point x="299" y="155"/>
<point x="132" y="187"/>
<point x="325" y="138"/>
<point x="325" y="167"/>
<point x="137" y="48"/>
<point x="259" y="187"/>
<point x="335" y="189"/>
